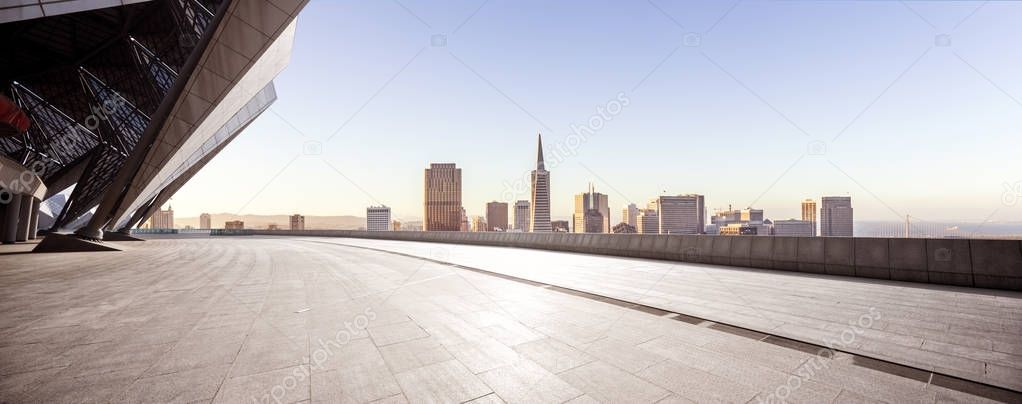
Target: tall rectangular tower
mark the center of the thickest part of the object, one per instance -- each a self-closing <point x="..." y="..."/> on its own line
<point x="496" y="216"/>
<point x="522" y="216"/>
<point x="629" y="214"/>
<point x="378" y="218"/>
<point x="539" y="218"/>
<point x="443" y="198"/>
<point x="681" y="214"/>
<point x="836" y="216"/>
<point x="297" y="222"/>
<point x="589" y="207"/>
<point x="809" y="213"/>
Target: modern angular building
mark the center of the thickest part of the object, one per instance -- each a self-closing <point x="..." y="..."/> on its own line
<point x="539" y="218"/>
<point x="836" y="216"/>
<point x="126" y="101"/>
<point x="378" y="218"/>
<point x="443" y="210"/>
<point x="205" y="221"/>
<point x="496" y="216"/>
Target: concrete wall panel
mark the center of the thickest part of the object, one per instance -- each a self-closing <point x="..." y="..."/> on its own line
<point x="840" y="255"/>
<point x="741" y="249"/>
<point x="995" y="264"/>
<point x="785" y="255"/>
<point x="704" y="249"/>
<point x="761" y="252"/>
<point x="721" y="254"/>
<point x="1001" y="258"/>
<point x="908" y="259"/>
<point x="811" y="255"/>
<point x="871" y="258"/>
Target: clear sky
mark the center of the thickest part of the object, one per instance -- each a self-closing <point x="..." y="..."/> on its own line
<point x="911" y="108"/>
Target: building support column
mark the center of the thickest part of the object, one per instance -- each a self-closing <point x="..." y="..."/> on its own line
<point x="10" y="228"/>
<point x="33" y="224"/>
<point x="24" y="217"/>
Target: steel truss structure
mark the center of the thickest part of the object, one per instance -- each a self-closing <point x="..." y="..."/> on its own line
<point x="102" y="86"/>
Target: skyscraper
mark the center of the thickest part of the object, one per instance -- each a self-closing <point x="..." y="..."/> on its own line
<point x="163" y="219"/>
<point x="539" y="218"/>
<point x="205" y="221"/>
<point x="592" y="212"/>
<point x="479" y="224"/>
<point x="443" y="198"/>
<point x="809" y="213"/>
<point x="496" y="216"/>
<point x="629" y="214"/>
<point x="297" y="222"/>
<point x="682" y="214"/>
<point x="378" y="218"/>
<point x="648" y="222"/>
<point x="836" y="216"/>
<point x="522" y="215"/>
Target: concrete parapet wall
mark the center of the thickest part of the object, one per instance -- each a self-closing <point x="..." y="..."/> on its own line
<point x="992" y="264"/>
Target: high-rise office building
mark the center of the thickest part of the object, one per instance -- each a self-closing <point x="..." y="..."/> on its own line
<point x="752" y="216"/>
<point x="560" y="226"/>
<point x="592" y="211"/>
<point x="297" y="222"/>
<point x="443" y="210"/>
<point x="629" y="214"/>
<point x="496" y="216"/>
<point x="539" y="218"/>
<point x="163" y="219"/>
<point x="205" y="221"/>
<point x="479" y="224"/>
<point x="836" y="216"/>
<point x="809" y="213"/>
<point x="792" y="227"/>
<point x="522" y="216"/>
<point x="722" y="218"/>
<point x="648" y="222"/>
<point x="378" y="218"/>
<point x="623" y="228"/>
<point x="681" y="214"/>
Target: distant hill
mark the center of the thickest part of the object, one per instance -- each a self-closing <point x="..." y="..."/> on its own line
<point x="284" y="221"/>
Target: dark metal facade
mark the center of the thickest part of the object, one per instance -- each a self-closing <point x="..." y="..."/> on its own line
<point x="89" y="82"/>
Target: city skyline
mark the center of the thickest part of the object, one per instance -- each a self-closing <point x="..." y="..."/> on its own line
<point x="899" y="102"/>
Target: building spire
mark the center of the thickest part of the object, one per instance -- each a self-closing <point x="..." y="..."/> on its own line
<point x="539" y="155"/>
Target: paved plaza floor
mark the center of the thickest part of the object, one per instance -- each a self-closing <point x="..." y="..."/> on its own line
<point x="251" y="319"/>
